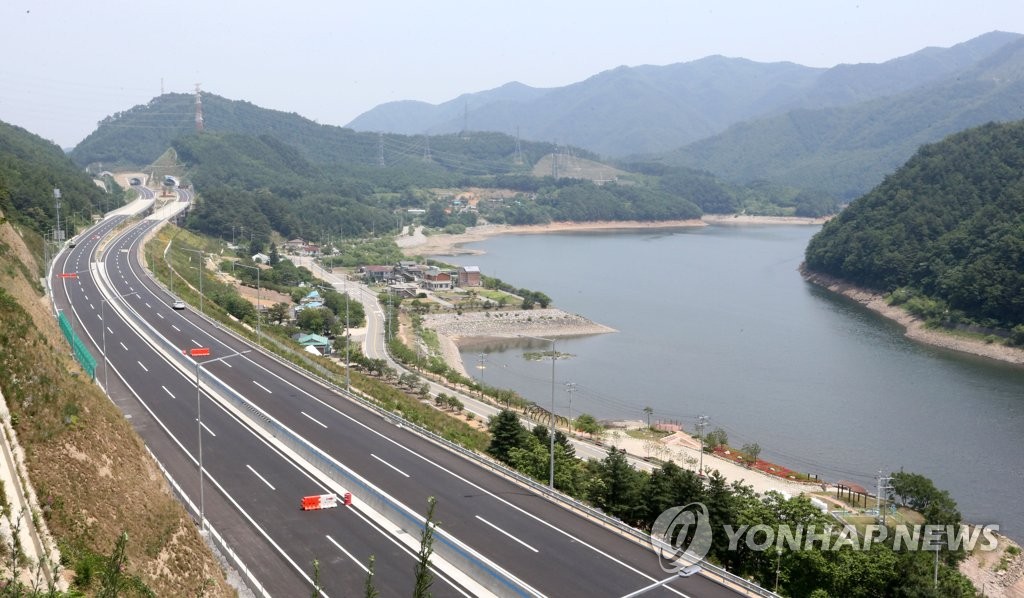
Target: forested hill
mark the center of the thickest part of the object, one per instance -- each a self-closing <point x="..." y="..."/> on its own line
<point x="846" y="150"/>
<point x="946" y="231"/>
<point x="139" y="135"/>
<point x="30" y="169"/>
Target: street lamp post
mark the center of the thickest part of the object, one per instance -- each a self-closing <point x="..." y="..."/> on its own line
<point x="202" y="351"/>
<point x="551" y="432"/>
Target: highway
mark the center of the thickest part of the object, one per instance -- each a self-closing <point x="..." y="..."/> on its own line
<point x="244" y="473"/>
<point x="254" y="491"/>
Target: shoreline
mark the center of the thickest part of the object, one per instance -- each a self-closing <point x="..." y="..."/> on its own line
<point x="445" y="244"/>
<point x="454" y="330"/>
<point x="914" y="327"/>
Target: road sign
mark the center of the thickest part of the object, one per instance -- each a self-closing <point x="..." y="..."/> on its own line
<point x="200" y="352"/>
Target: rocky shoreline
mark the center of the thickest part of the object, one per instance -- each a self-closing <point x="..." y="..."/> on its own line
<point x="550" y="323"/>
<point x="915" y="327"/>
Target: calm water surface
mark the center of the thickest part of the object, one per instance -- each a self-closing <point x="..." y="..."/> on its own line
<point x="717" y="321"/>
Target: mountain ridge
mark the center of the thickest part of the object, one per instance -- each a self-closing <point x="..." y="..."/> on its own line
<point x="676" y="104"/>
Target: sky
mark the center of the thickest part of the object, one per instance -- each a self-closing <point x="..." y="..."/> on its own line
<point x="67" y="64"/>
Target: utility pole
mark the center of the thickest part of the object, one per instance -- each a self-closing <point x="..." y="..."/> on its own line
<point x="702" y="421"/>
<point x="883" y="485"/>
<point x="570" y="387"/>
<point x="199" y="110"/>
<point x="58" y="232"/>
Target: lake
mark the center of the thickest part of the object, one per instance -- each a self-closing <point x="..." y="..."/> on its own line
<point x="717" y="321"/>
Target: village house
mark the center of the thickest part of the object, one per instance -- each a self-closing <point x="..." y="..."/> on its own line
<point x="293" y="246"/>
<point x="378" y="273"/>
<point x="261" y="258"/>
<point x="469" y="276"/>
<point x="436" y="279"/>
<point x="321" y="344"/>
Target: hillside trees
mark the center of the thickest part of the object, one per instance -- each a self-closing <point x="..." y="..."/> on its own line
<point x="947" y="226"/>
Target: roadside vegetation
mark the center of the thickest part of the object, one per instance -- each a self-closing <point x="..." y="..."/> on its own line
<point x="638" y="498"/>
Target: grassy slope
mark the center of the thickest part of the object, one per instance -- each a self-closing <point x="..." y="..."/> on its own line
<point x="88" y="466"/>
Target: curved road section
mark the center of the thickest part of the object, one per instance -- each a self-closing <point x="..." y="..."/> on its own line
<point x="253" y="486"/>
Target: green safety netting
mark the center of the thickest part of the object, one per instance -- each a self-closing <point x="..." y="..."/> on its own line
<point x="81" y="352"/>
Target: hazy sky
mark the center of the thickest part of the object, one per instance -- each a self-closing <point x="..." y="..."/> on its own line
<point x="66" y="64"/>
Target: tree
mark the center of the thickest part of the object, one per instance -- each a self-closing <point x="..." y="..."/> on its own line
<point x="369" y="590"/>
<point x="621" y="487"/>
<point x="317" y="588"/>
<point x="648" y="411"/>
<point x="506" y="434"/>
<point x="113" y="573"/>
<point x="277" y="313"/>
<point x="318" y="320"/>
<point x="423" y="576"/>
<point x="752" y="451"/>
<point x="435" y="216"/>
<point x="716" y="438"/>
<point x="275" y="257"/>
<point x="587" y="424"/>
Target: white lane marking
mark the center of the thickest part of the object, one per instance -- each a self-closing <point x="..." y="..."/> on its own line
<point x="92" y="307"/>
<point x="196" y="343"/>
<point x="142" y="366"/>
<point x="263" y="387"/>
<point x="348" y="554"/>
<point x="227" y="364"/>
<point x="109" y="330"/>
<point x="122" y="346"/>
<point x="160" y="314"/>
<point x="507" y="534"/>
<point x="313" y="418"/>
<point x="86" y="296"/>
<point x="99" y="317"/>
<point x="167" y="391"/>
<point x="210" y="432"/>
<point x="148" y="305"/>
<point x="175" y="327"/>
<point x="259" y="476"/>
<point x="472" y="484"/>
<point x="388" y="464"/>
<point x="131" y="288"/>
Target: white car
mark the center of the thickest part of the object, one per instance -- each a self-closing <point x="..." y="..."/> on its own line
<point x="178" y="304"/>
